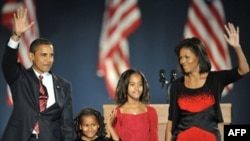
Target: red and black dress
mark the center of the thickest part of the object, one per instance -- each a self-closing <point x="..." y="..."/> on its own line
<point x="195" y="113"/>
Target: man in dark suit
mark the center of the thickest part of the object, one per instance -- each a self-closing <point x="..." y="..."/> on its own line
<point x="56" y="121"/>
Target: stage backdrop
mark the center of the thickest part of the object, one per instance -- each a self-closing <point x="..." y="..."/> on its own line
<point x="74" y="27"/>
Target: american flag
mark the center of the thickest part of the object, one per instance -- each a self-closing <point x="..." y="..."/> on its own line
<point x="8" y="9"/>
<point x="206" y="21"/>
<point x="121" y="18"/>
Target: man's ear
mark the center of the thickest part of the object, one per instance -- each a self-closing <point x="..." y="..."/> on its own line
<point x="31" y="56"/>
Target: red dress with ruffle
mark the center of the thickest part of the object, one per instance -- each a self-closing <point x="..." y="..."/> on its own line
<point x="137" y="127"/>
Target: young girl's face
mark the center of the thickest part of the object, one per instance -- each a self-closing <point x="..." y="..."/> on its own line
<point x="89" y="126"/>
<point x="135" y="86"/>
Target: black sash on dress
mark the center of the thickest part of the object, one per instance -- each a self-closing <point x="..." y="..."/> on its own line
<point x="204" y="120"/>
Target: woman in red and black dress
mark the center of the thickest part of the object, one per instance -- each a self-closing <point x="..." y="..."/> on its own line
<point x="194" y="111"/>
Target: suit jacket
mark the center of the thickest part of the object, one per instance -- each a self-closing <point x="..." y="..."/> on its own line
<point x="56" y="122"/>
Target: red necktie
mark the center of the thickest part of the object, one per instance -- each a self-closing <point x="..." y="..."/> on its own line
<point x="43" y="97"/>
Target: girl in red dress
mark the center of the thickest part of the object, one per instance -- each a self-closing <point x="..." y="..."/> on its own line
<point x="133" y="119"/>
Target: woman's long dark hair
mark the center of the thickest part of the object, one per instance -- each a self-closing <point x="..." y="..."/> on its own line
<point x="198" y="48"/>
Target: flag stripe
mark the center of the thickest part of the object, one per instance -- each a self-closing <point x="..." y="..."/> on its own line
<point x="209" y="27"/>
<point x="121" y="18"/>
<point x="206" y="21"/>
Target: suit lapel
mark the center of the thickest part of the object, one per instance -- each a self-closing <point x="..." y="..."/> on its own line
<point x="35" y="93"/>
<point x="58" y="89"/>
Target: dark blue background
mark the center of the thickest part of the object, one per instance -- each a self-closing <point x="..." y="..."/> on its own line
<point x="74" y="27"/>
